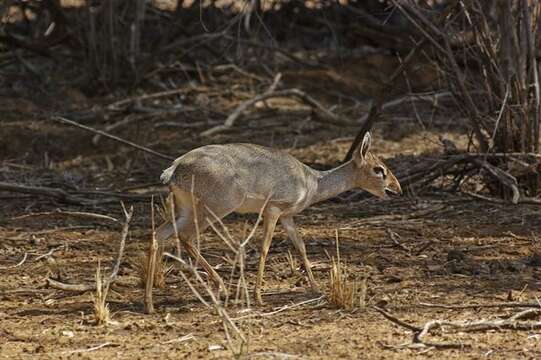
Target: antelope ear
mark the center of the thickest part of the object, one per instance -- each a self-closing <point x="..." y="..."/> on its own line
<point x="365" y="145"/>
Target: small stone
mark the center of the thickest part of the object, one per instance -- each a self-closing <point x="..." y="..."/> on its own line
<point x="68" y="333"/>
<point x="215" y="347"/>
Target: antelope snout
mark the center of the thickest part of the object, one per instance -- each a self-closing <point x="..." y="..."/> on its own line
<point x="393" y="188"/>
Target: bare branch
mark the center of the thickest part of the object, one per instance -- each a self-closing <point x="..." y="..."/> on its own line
<point x="90" y="287"/>
<point x="325" y="115"/>
<point x="112" y="137"/>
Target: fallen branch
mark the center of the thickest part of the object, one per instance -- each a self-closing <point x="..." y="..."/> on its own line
<point x="112" y="137"/>
<point x="514" y="322"/>
<point x="58" y="194"/>
<point x="396" y="320"/>
<point x="424" y="174"/>
<point x="395" y="238"/>
<point x="282" y="308"/>
<point x="49" y="253"/>
<point x="325" y="115"/>
<point x="128" y="120"/>
<point x="16" y="265"/>
<point x="90" y="287"/>
<point x="495" y="200"/>
<point x="74" y="198"/>
<point x="125" y="229"/>
<point x="69" y="213"/>
<point x="116" y="105"/>
<point x="502" y="176"/>
<point x="179" y="339"/>
<point x="478" y="306"/>
<point x="90" y="349"/>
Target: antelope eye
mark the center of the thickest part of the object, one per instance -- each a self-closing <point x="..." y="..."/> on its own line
<point x="378" y="170"/>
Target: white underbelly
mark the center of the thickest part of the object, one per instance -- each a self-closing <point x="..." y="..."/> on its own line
<point x="251" y="205"/>
<point x="254" y="204"/>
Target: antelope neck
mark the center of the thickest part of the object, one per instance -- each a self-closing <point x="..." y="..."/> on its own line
<point x="335" y="181"/>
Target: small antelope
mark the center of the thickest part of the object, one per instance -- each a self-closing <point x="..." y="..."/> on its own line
<point x="248" y="178"/>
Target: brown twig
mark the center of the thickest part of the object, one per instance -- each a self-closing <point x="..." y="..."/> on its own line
<point x="70" y="197"/>
<point x="127" y="120"/>
<point x="479" y="306"/>
<point x="325" y="115"/>
<point x="514" y="322"/>
<point x="88" y="287"/>
<point x="502" y="176"/>
<point x="112" y="137"/>
<point x="116" y="106"/>
<point x="395" y="239"/>
<point x="221" y="311"/>
<point x="151" y="265"/>
<point x="15" y="265"/>
<point x="396" y="320"/>
<point x="486" y="198"/>
<point x="68" y="213"/>
<point x="58" y="194"/>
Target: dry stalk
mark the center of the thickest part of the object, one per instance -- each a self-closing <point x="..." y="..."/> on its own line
<point x="236" y="340"/>
<point x="165" y="212"/>
<point x="238" y="247"/>
<point x="291" y="262"/>
<point x="114" y="273"/>
<point x="160" y="273"/>
<point x="101" y="308"/>
<point x="151" y="265"/>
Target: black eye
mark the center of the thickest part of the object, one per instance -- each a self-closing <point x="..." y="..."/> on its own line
<point x="378" y="170"/>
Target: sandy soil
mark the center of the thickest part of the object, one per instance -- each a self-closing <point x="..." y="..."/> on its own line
<point x="454" y="250"/>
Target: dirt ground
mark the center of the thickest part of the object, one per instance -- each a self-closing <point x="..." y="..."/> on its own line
<point x="452" y="250"/>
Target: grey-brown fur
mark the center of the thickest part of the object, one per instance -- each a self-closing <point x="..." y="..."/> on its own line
<point x="241" y="177"/>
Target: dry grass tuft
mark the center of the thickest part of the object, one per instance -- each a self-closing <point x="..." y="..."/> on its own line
<point x="101" y="308"/>
<point x="162" y="269"/>
<point x="165" y="208"/>
<point x="344" y="291"/>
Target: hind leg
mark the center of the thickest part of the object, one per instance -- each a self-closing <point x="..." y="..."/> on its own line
<point x="188" y="231"/>
<point x="193" y="219"/>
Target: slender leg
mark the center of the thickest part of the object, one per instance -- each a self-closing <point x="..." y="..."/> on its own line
<point x="269" y="224"/>
<point x="291" y="229"/>
<point x="186" y="231"/>
<point x="199" y="259"/>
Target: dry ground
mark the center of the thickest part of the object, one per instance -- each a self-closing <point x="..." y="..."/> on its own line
<point x="454" y="250"/>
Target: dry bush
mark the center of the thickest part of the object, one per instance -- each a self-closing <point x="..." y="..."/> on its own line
<point x="486" y="51"/>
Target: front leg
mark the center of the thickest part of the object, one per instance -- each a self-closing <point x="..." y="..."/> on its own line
<point x="269" y="224"/>
<point x="291" y="229"/>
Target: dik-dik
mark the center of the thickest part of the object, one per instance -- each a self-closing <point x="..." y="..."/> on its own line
<point x="248" y="178"/>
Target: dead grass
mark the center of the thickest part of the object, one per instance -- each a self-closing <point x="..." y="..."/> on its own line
<point x="344" y="290"/>
<point x="101" y="308"/>
<point x="162" y="269"/>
